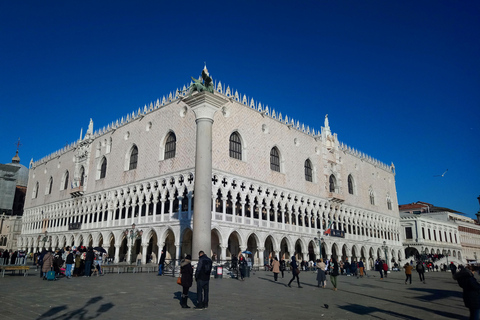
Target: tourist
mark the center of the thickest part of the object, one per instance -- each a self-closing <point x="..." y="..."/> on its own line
<point x="408" y="272"/>
<point x="5" y="257"/>
<point x="89" y="257"/>
<point x="361" y="267"/>
<point x="275" y="268"/>
<point x="47" y="264"/>
<point x="421" y="271"/>
<point x="453" y="268"/>
<point x="69" y="262"/>
<point x="202" y="276"/>
<point x="139" y="258"/>
<point x="385" y="268"/>
<point x="471" y="290"/>
<point x="379" y="267"/>
<point x="353" y="269"/>
<point x="321" y="277"/>
<point x="282" y="267"/>
<point x="346" y="267"/>
<point x="186" y="271"/>
<point x="295" y="271"/>
<point x="161" y="263"/>
<point x="242" y="265"/>
<point x="13" y="258"/>
<point x="77" y="271"/>
<point x="334" y="271"/>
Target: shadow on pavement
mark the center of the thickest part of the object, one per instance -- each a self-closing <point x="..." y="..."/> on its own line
<point x="80" y="313"/>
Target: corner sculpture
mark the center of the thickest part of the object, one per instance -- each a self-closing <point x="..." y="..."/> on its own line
<point x="203" y="83"/>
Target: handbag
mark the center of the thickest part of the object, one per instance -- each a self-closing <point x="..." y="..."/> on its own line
<point x="179" y="280"/>
<point x="297" y="271"/>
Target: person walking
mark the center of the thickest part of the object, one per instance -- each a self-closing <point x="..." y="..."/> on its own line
<point x="161" y="263"/>
<point x="275" y="268"/>
<point x="69" y="262"/>
<point x="334" y="272"/>
<point x="295" y="272"/>
<point x="186" y="271"/>
<point x="321" y="276"/>
<point x="385" y="268"/>
<point x="379" y="267"/>
<point x="421" y="271"/>
<point x="471" y="290"/>
<point x="408" y="272"/>
<point x="242" y="265"/>
<point x="202" y="276"/>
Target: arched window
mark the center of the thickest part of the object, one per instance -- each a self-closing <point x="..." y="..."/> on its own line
<point x="133" y="158"/>
<point x="35" y="191"/>
<point x="82" y="176"/>
<point x="235" y="146"/>
<point x="103" y="168"/>
<point x="49" y="186"/>
<point x="170" y="146"/>
<point x="372" y="197"/>
<point x="350" y="184"/>
<point x="65" y="181"/>
<point x="332" y="183"/>
<point x="274" y="160"/>
<point x="308" y="170"/>
<point x="389" y="203"/>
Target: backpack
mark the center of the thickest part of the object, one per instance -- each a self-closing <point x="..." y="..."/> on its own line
<point x="419" y="267"/>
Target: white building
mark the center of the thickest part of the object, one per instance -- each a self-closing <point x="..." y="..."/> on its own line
<point x="437" y="230"/>
<point x="276" y="184"/>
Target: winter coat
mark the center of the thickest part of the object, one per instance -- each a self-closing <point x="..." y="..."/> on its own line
<point x="204" y="268"/>
<point x="70" y="259"/>
<point x="47" y="262"/>
<point x="334" y="268"/>
<point x="275" y="266"/>
<point x="90" y="256"/>
<point x="186" y="270"/>
<point x="470" y="286"/>
<point x="408" y="269"/>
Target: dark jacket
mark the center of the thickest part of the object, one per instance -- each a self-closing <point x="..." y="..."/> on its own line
<point x="204" y="268"/>
<point x="186" y="270"/>
<point x="334" y="268"/>
<point x="90" y="256"/>
<point x="293" y="264"/>
<point x="70" y="259"/>
<point x="470" y="286"/>
<point x="162" y="258"/>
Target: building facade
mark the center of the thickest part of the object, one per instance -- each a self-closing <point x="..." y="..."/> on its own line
<point x="434" y="230"/>
<point x="13" y="187"/>
<point x="277" y="185"/>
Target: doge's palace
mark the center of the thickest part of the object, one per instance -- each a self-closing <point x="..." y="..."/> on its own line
<point x="277" y="186"/>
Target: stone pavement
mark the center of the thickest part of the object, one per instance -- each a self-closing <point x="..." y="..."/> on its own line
<point x="147" y="296"/>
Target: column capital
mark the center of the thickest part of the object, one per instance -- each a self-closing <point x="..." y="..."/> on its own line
<point x="205" y="104"/>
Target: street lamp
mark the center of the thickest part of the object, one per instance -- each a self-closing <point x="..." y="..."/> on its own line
<point x="320" y="241"/>
<point x="385" y="249"/>
<point x="133" y="234"/>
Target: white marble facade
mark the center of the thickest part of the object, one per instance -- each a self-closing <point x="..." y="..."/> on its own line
<point x="275" y="186"/>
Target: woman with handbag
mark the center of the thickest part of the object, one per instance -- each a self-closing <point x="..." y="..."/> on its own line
<point x="186" y="280"/>
<point x="295" y="272"/>
<point x="275" y="268"/>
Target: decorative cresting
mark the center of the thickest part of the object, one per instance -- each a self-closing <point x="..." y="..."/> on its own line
<point x="204" y="105"/>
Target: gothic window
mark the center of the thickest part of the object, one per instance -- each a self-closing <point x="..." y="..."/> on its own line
<point x="170" y="146"/>
<point x="332" y="183"/>
<point x="49" y="186"/>
<point x="133" y="158"/>
<point x="82" y="176"/>
<point x="274" y="160"/>
<point x="65" y="181"/>
<point x="235" y="146"/>
<point x="109" y="146"/>
<point x="372" y="197"/>
<point x="350" y="184"/>
<point x="308" y="170"/>
<point x="103" y="168"/>
<point x="35" y="191"/>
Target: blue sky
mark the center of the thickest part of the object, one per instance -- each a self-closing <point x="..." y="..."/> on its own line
<point x="400" y="80"/>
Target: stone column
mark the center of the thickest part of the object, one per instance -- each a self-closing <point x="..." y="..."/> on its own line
<point x="117" y="254"/>
<point x="144" y="252"/>
<point x="204" y="105"/>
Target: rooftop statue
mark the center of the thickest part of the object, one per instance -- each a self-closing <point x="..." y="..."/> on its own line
<point x="203" y="83"/>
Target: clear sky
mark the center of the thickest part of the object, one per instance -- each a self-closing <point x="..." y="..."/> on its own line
<point x="400" y="80"/>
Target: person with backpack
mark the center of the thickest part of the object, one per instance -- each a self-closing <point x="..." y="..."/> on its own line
<point x="202" y="277"/>
<point x="421" y="271"/>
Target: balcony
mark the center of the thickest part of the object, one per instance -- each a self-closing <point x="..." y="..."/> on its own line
<point x="76" y="192"/>
<point x="335" y="197"/>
